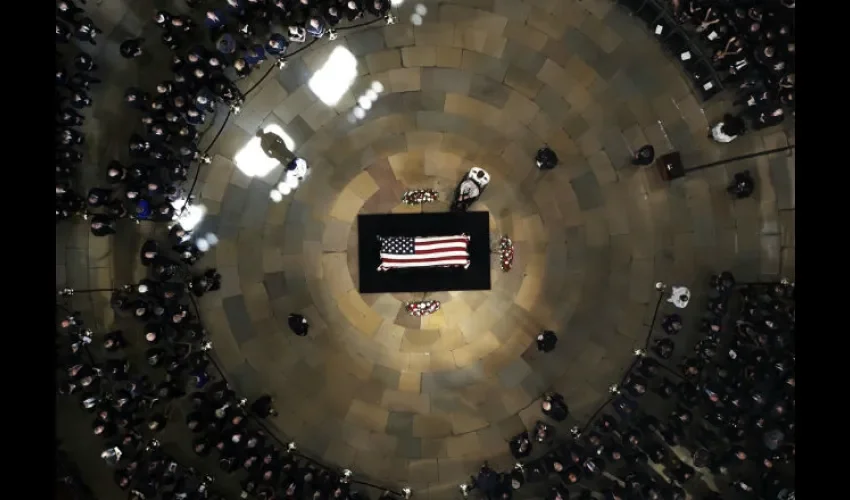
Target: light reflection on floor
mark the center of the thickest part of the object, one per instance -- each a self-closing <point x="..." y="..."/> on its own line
<point x="251" y="159"/>
<point x="335" y="77"/>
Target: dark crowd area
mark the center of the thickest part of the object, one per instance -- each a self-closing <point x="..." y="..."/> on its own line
<point x="753" y="49"/>
<point x="746" y="47"/>
<point x="132" y="398"/>
<point x="176" y="381"/>
<point x="721" y="412"/>
<point x="212" y="49"/>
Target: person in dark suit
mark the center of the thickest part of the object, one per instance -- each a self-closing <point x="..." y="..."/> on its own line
<point x="558" y="492"/>
<point x="520" y="445"/>
<point x="276" y="45"/>
<point x="210" y="281"/>
<point x="274" y="147"/>
<point x="86" y="31"/>
<point x="131" y="48"/>
<point x="102" y="225"/>
<point x="98" y="197"/>
<point x="671" y="324"/>
<point x="742" y="185"/>
<point x="68" y="204"/>
<point x="262" y="406"/>
<point x="770" y="114"/>
<point x="149" y="252"/>
<point x="378" y="8"/>
<point x="68" y="11"/>
<point x="546" y="341"/>
<point x="663" y="348"/>
<point x="635" y="385"/>
<point x="554" y="407"/>
<point x="298" y="324"/>
<point x="63" y="32"/>
<point x="644" y="156"/>
<point x="546" y="159"/>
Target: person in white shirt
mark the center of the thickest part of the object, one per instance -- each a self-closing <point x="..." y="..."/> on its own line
<point x="680" y="296"/>
<point x="470" y="189"/>
<point x="728" y="129"/>
<point x="297" y="168"/>
<point x="297" y="34"/>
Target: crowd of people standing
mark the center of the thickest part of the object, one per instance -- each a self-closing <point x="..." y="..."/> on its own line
<point x="132" y="402"/>
<point x="236" y="37"/>
<point x="74" y="80"/>
<point x="731" y="407"/>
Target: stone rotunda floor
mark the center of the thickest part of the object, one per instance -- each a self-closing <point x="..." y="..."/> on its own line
<point x="482" y="82"/>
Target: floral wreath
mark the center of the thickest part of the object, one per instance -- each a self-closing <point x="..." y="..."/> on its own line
<point x="419" y="196"/>
<point x="422" y="307"/>
<point x="506" y="253"/>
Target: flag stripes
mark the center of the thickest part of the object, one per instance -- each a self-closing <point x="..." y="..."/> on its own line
<point x="433" y="251"/>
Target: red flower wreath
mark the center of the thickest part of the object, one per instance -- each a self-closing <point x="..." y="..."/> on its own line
<point x="417" y="196"/>
<point x="506" y="253"/>
<point x="422" y="307"/>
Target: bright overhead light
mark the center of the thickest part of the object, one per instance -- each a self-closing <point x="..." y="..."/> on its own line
<point x="377" y="86"/>
<point x="415" y="19"/>
<point x="335" y="77"/>
<point x="276" y="196"/>
<point x="251" y="159"/>
<point x="359" y="113"/>
<point x="371" y="95"/>
<point x="396" y="3"/>
<point x="421" y="9"/>
<point x="364" y="103"/>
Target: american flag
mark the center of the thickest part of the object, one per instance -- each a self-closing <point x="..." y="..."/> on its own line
<point x="434" y="251"/>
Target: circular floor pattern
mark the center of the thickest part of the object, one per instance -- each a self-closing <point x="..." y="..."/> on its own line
<point x="481" y="82"/>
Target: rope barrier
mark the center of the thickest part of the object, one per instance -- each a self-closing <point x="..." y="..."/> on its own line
<point x="198" y="171"/>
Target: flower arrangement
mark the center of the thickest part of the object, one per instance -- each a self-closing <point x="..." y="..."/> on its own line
<point x="506" y="253"/>
<point x="422" y="307"/>
<point x="418" y="196"/>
